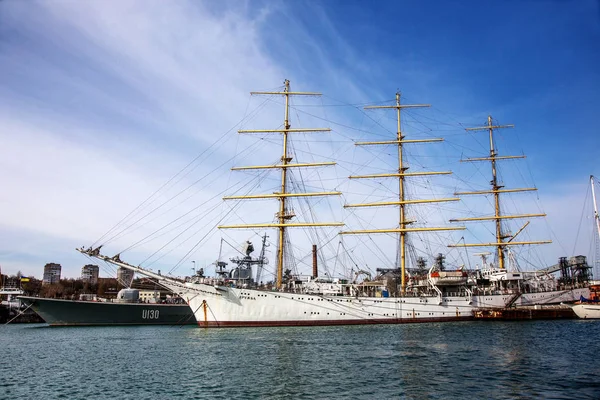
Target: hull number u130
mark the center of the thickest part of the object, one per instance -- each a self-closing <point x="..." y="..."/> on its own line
<point x="150" y="314"/>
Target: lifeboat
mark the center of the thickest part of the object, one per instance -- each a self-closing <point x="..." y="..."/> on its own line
<point x="447" y="278"/>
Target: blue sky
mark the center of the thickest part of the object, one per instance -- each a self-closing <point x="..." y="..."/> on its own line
<point x="101" y="102"/>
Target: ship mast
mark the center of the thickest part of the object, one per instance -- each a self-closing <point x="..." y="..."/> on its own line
<point x="401" y="174"/>
<point x="596" y="220"/>
<point x="596" y="216"/>
<point x="284" y="215"/>
<point x="500" y="243"/>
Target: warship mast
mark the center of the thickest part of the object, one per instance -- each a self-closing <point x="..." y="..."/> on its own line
<point x="401" y="174"/>
<point x="285" y="214"/>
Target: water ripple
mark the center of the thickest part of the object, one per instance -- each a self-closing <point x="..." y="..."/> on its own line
<point x="504" y="360"/>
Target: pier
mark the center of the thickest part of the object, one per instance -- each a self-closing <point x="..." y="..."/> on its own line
<point x="525" y="313"/>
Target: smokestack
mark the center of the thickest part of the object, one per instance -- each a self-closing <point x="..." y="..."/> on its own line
<point x="315" y="269"/>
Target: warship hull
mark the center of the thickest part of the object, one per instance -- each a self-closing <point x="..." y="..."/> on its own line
<point x="89" y="313"/>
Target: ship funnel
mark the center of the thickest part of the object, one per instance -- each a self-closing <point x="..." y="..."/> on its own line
<point x="315" y="269"/>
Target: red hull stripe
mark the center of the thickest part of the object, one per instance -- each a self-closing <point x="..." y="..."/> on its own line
<point x="241" y="324"/>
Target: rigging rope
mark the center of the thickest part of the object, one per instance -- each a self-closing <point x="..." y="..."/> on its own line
<point x="180" y="173"/>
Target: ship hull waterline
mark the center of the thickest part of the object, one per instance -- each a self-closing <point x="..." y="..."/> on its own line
<point x="258" y="324"/>
<point x="57" y="312"/>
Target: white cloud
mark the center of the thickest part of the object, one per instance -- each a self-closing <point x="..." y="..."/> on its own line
<point x="164" y="71"/>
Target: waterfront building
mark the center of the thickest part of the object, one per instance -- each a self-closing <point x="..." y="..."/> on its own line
<point x="51" y="273"/>
<point x="150" y="296"/>
<point x="125" y="276"/>
<point x="89" y="273"/>
<point x="10" y="282"/>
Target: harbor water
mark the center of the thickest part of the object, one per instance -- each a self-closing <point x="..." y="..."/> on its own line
<point x="491" y="360"/>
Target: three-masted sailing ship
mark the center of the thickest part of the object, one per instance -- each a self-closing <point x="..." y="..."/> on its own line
<point x="438" y="295"/>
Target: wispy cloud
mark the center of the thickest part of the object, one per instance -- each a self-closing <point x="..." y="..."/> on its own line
<point x="102" y="102"/>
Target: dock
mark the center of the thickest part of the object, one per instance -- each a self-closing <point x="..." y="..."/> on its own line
<point x="525" y="313"/>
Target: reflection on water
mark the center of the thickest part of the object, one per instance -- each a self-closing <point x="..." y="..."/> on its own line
<point x="536" y="359"/>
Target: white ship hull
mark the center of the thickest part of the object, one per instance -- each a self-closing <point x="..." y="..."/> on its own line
<point x="587" y="311"/>
<point x="235" y="307"/>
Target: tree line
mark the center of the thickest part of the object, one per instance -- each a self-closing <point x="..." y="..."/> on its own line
<point x="71" y="288"/>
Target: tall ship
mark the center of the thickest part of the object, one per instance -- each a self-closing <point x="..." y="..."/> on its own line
<point x="425" y="293"/>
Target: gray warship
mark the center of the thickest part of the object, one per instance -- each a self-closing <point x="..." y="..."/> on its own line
<point x="126" y="310"/>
